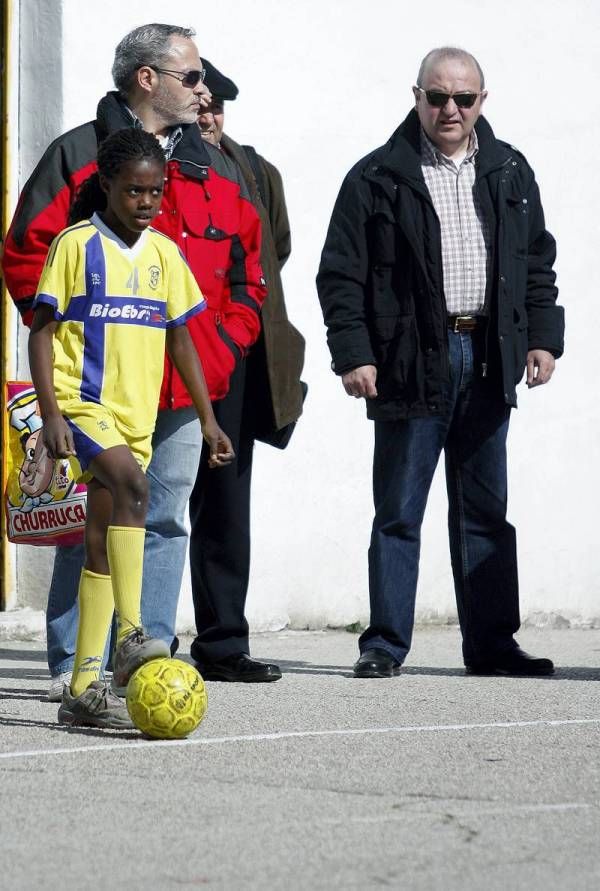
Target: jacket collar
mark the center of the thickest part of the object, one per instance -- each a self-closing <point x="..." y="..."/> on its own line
<point x="236" y="151"/>
<point x="113" y="114"/>
<point x="401" y="154"/>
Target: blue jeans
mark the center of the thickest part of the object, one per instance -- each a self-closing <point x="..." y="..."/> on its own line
<point x="176" y="444"/>
<point x="62" y="611"/>
<point x="471" y="429"/>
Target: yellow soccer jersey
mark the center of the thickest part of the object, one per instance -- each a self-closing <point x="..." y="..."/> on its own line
<point x="113" y="304"/>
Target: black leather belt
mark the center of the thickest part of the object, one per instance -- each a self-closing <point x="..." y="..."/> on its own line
<point x="462" y="324"/>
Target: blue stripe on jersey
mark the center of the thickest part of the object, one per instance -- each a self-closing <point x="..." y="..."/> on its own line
<point x="92" y="373"/>
<point x="96" y="310"/>
<point x="181" y="320"/>
<point x="86" y="448"/>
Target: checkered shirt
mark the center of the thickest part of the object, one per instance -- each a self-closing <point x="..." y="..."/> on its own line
<point x="466" y="238"/>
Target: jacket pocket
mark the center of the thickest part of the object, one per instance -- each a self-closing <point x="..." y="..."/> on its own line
<point x="520" y="268"/>
<point x="382" y="239"/>
<point x="395" y="343"/>
<point x="229" y="342"/>
<point x="209" y="258"/>
<point x="517" y="224"/>
<point x="391" y="291"/>
<point x="211" y="221"/>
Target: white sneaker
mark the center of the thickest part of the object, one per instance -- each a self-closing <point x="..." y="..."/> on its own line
<point x="56" y="686"/>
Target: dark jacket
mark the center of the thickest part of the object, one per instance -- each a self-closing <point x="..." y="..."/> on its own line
<point x="276" y="361"/>
<point x="206" y="210"/>
<point x="380" y="280"/>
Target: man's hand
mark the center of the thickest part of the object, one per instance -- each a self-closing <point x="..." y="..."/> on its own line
<point x="204" y="95"/>
<point x="221" y="450"/>
<point x="361" y="382"/>
<point x="540" y="367"/>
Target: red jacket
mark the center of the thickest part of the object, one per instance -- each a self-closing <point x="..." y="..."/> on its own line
<point x="205" y="210"/>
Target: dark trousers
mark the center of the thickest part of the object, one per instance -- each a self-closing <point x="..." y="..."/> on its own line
<point x="471" y="430"/>
<point x="220" y="535"/>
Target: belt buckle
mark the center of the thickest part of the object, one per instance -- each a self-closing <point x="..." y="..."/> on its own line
<point x="458" y="320"/>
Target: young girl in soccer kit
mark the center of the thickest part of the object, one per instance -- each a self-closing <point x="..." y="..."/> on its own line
<point x="112" y="294"/>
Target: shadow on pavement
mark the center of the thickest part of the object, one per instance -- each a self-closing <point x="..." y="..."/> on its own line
<point x="345" y="671"/>
<point x="563" y="673"/>
<point x="576" y="673"/>
<point x="288" y="666"/>
<point x="434" y="671"/>
<point x="24" y="693"/>
<point x="63" y="728"/>
<point x="34" y="674"/>
<point x="291" y="666"/>
<point x="22" y="655"/>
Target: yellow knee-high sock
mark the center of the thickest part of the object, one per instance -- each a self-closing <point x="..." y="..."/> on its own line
<point x="95" y="614"/>
<point x="125" y="550"/>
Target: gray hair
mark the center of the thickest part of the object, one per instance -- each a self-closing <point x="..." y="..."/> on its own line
<point x="448" y="52"/>
<point x="146" y="45"/>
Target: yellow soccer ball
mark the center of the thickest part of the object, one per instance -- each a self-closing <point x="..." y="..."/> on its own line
<point x="166" y="698"/>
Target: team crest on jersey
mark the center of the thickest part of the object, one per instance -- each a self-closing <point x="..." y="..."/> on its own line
<point x="96" y="278"/>
<point x="154" y="272"/>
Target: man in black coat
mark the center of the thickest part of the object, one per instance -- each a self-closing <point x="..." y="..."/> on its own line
<point x="437" y="290"/>
<point x="264" y="402"/>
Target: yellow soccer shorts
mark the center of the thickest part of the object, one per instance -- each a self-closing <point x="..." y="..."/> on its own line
<point x="96" y="429"/>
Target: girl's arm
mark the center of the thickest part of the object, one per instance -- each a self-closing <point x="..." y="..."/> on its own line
<point x="185" y="358"/>
<point x="57" y="435"/>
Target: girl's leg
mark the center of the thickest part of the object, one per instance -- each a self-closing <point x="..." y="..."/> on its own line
<point x="117" y="470"/>
<point x="95" y="592"/>
<point x="127" y="488"/>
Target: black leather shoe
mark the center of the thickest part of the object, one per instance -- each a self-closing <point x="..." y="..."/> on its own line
<point x="239" y="668"/>
<point x="376" y="663"/>
<point x="513" y="662"/>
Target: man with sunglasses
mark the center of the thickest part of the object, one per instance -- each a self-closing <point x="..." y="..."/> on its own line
<point x="263" y="402"/>
<point x="206" y="210"/>
<point x="438" y="293"/>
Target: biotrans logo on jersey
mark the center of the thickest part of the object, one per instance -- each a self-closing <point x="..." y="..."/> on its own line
<point x="128" y="312"/>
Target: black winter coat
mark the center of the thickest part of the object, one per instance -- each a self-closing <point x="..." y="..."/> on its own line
<point x="380" y="279"/>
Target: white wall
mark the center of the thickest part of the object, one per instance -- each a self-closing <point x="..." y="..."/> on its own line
<point x="320" y="85"/>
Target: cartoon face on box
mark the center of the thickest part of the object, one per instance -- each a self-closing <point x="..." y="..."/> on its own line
<point x="35" y="475"/>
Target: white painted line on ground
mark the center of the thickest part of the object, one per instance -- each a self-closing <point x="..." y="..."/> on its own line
<point x="294" y="734"/>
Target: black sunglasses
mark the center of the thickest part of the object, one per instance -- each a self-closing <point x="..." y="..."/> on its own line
<point x="186" y="78"/>
<point x="437" y="99"/>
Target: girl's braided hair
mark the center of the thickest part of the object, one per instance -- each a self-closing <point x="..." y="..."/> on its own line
<point x="129" y="144"/>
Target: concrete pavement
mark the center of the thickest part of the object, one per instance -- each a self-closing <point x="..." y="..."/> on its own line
<point x="432" y="780"/>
